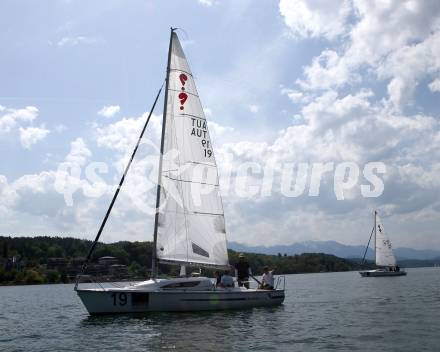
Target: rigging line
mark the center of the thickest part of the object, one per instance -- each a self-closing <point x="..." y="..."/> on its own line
<point x="199" y="163"/>
<point x="101" y="228"/>
<point x="194" y="116"/>
<point x="181" y="91"/>
<point x="190" y="213"/>
<point x="188" y="181"/>
<point x="368" y="244"/>
<point x="180" y="70"/>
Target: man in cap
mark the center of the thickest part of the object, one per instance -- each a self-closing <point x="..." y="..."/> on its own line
<point x="242" y="271"/>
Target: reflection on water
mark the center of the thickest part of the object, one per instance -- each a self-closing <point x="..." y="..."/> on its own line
<point x="190" y="331"/>
<point x="332" y="311"/>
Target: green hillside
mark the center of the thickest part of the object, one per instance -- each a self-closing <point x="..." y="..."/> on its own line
<point x="33" y="260"/>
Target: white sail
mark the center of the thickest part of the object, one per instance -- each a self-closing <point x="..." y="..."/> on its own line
<point x="191" y="226"/>
<point x="384" y="250"/>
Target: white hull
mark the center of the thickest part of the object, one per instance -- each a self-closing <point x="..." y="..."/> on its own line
<point x="381" y="273"/>
<point x="152" y="298"/>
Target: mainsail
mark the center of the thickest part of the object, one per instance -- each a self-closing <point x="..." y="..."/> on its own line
<point x="191" y="225"/>
<point x="384" y="250"/>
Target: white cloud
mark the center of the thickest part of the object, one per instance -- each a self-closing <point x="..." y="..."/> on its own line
<point x="294" y="95"/>
<point x="218" y="130"/>
<point x="337" y="127"/>
<point x="207" y="111"/>
<point x="79" y="152"/>
<point x="12" y="117"/>
<point x="121" y="135"/>
<point x="328" y="70"/>
<point x="74" y="41"/>
<point x="434" y="86"/>
<point x="207" y="3"/>
<point x="8" y="196"/>
<point x="31" y="135"/>
<point x="254" y="108"/>
<point x="394" y="40"/>
<point x="109" y="111"/>
<point x="316" y="18"/>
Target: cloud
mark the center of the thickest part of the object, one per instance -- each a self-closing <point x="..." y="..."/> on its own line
<point x="316" y="18"/>
<point x="109" y="111"/>
<point x="294" y="95"/>
<point x="254" y="108"/>
<point x="8" y="196"/>
<point x="394" y="40"/>
<point x="74" y="41"/>
<point x="79" y="152"/>
<point x="207" y="3"/>
<point x="31" y="135"/>
<point x="434" y="86"/>
<point x="335" y="127"/>
<point x="216" y="130"/>
<point x="12" y="117"/>
<point x="120" y="136"/>
<point x="207" y="111"/>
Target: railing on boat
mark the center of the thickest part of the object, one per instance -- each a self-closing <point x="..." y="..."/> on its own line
<point x="281" y="280"/>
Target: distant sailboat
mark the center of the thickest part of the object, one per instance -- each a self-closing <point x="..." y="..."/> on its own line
<point x="189" y="224"/>
<point x="384" y="256"/>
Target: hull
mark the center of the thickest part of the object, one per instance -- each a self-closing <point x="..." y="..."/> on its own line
<point x="111" y="301"/>
<point x="381" y="273"/>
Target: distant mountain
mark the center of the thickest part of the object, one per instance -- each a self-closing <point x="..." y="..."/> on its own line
<point x="332" y="247"/>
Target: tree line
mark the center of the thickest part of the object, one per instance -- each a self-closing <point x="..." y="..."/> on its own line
<point x="34" y="260"/>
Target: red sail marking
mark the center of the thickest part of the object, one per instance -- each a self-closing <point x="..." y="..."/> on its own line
<point x="183" y="78"/>
<point x="183" y="97"/>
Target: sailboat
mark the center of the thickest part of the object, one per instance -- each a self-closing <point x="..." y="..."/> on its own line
<point x="384" y="256"/>
<point x="189" y="225"/>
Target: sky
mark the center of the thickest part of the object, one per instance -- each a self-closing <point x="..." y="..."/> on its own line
<point x="289" y="88"/>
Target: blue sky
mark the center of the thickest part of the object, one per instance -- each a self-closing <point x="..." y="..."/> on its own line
<point x="288" y="81"/>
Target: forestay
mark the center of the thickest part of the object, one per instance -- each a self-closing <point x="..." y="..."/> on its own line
<point x="191" y="225"/>
<point x="384" y="250"/>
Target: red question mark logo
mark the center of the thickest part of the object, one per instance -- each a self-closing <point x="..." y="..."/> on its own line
<point x="183" y="78"/>
<point x="183" y="97"/>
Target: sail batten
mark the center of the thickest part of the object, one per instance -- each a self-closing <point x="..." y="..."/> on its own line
<point x="191" y="225"/>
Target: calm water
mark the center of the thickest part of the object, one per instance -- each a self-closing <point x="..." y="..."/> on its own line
<point x="333" y="311"/>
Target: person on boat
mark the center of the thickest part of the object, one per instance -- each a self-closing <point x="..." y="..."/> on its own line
<point x="267" y="282"/>
<point x="242" y="271"/>
<point x="397" y="268"/>
<point x="218" y="278"/>
<point x="226" y="281"/>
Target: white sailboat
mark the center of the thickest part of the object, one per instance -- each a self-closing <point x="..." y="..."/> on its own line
<point x="189" y="224"/>
<point x="384" y="256"/>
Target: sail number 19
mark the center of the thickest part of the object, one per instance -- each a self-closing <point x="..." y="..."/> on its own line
<point x="119" y="298"/>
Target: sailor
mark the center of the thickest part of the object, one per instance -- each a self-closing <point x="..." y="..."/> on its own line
<point x="226" y="281"/>
<point x="242" y="271"/>
<point x="267" y="282"/>
<point x="218" y="278"/>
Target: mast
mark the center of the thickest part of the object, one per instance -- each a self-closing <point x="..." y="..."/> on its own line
<point x="162" y="142"/>
<point x="375" y="248"/>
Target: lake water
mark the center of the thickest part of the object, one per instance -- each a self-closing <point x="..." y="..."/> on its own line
<point x="322" y="312"/>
